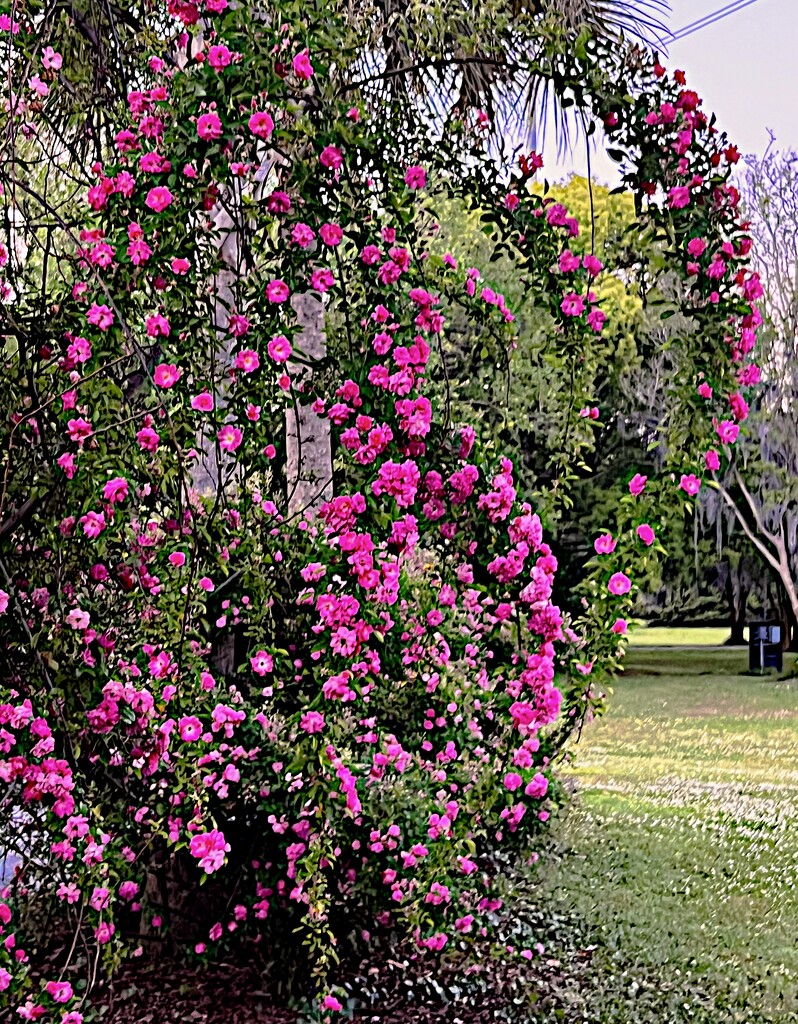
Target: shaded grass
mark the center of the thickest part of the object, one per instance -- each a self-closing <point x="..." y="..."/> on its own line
<point x="681" y="850"/>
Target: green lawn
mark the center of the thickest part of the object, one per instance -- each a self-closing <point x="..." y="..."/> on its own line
<point x="680" y="854"/>
<point x="642" y="635"/>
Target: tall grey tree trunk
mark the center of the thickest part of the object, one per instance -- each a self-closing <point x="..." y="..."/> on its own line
<point x="308" y="442"/>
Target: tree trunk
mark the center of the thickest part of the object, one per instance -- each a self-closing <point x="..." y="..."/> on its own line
<point x="737" y="598"/>
<point x="308" y="442"/>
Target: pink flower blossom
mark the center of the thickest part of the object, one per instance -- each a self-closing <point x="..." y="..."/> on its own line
<point x="302" y="67"/>
<point x="157" y="326"/>
<point x="247" y="360"/>
<point x="51" y="60"/>
<point x="619" y="583"/>
<point x="311" y="722"/>
<point x="104" y="932"/>
<point x="727" y="431"/>
<point x="302" y="235"/>
<point x="203" y="402"/>
<point x="573" y="304"/>
<point x="190" y="728"/>
<point x="148" y="439"/>
<point x="279" y="349"/>
<point x="100" y="317"/>
<point x="209" y="126"/>
<point x="568" y="262"/>
<point x="158" y="198"/>
<point x="620" y="626"/>
<point x="415" y="177"/>
<point x="209" y="849"/>
<point x="261" y="124"/>
<point x="93" y="524"/>
<point x="690" y="484"/>
<point x="592" y="265"/>
<point x="321" y="280"/>
<point x="331" y="157"/>
<point x="637" y="484"/>
<point x="277" y="291"/>
<point x="262" y="663"/>
<point x="331" y="234"/>
<point x="605" y="544"/>
<point x="679" y="197"/>
<point x="219" y="57"/>
<point x="712" y="460"/>
<point x="646" y="534"/>
<point x="739" y="407"/>
<point x="59" y="991"/>
<point x="166" y="375"/>
<point x="116" y="489"/>
<point x="537" y="787"/>
<point x="79" y="429"/>
<point x="230" y="438"/>
<point x="596" y="319"/>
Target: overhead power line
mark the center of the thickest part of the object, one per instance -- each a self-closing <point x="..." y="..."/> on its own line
<point x="710" y="19"/>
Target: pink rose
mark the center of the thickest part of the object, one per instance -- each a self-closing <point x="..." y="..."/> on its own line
<point x="331" y="234"/>
<point x="311" y="722"/>
<point x="202" y="402"/>
<point x="415" y="177"/>
<point x="538" y="787"/>
<point x="727" y="431"/>
<point x="261" y="124"/>
<point x="209" y="127"/>
<point x="190" y="728"/>
<point x="219" y="57"/>
<point x="679" y="197"/>
<point x="331" y="157"/>
<point x="619" y="583"/>
<point x="279" y="349"/>
<point x="158" y="198"/>
<point x="262" y="663"/>
<point x="637" y="484"/>
<point x="166" y="375"/>
<point x="230" y="438"/>
<point x="116" y="489"/>
<point x="277" y="291"/>
<point x="605" y="544"/>
<point x="646" y="534"/>
<point x="302" y="67"/>
<point x="690" y="484"/>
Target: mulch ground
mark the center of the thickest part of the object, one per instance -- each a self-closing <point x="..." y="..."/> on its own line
<point x="167" y="992"/>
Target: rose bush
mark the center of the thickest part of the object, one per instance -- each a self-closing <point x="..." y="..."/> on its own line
<point x="337" y="712"/>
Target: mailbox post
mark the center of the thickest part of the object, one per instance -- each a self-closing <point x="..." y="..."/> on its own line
<point x="764" y="646"/>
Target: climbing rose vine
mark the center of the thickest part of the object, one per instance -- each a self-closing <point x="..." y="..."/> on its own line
<point x="334" y="714"/>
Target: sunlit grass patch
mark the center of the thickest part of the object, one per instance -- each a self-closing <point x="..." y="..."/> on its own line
<point x="681" y="849"/>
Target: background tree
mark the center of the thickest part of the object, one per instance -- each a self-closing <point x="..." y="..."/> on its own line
<point x="761" y="487"/>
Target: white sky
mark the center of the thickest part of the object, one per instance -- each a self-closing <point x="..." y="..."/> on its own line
<point x="744" y="67"/>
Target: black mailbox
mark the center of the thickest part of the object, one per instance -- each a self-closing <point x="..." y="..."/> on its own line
<point x="764" y="646"/>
